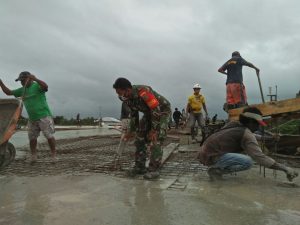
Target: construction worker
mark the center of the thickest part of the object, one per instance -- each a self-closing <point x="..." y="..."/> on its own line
<point x="177" y="116"/>
<point x="222" y="151"/>
<point x="235" y="89"/>
<point x="196" y="103"/>
<point x="214" y="119"/>
<point x="34" y="91"/>
<point x="152" y="127"/>
<point x="78" y="121"/>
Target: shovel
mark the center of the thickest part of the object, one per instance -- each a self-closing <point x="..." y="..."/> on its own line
<point x="122" y="144"/>
<point x="260" y="88"/>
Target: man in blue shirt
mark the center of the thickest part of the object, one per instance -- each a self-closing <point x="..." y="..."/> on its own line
<point x="235" y="89"/>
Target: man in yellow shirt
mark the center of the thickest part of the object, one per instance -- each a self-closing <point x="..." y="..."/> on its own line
<point x="196" y="103"/>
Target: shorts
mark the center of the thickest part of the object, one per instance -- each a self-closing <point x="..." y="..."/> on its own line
<point x="236" y="94"/>
<point x="46" y="125"/>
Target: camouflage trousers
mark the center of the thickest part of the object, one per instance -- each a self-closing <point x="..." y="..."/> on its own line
<point x="154" y="150"/>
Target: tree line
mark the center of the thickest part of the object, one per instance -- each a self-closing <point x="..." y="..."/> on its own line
<point x="61" y="120"/>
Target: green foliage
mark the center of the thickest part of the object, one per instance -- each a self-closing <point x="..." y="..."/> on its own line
<point x="291" y="127"/>
<point x="60" y="120"/>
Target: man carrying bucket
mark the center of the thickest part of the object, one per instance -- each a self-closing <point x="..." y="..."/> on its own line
<point x="40" y="116"/>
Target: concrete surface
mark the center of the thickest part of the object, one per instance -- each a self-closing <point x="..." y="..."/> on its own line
<point x="246" y="199"/>
<point x="74" y="191"/>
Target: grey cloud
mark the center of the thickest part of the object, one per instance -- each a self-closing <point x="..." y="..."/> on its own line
<point x="80" y="47"/>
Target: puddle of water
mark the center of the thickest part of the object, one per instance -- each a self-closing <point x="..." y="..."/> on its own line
<point x="98" y="199"/>
<point x="20" y="138"/>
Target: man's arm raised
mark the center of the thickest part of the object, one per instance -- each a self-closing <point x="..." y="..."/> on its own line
<point x="5" y="89"/>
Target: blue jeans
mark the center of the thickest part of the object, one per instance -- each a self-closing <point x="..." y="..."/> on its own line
<point x="233" y="162"/>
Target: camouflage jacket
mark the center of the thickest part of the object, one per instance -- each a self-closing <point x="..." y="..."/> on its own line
<point x="144" y="99"/>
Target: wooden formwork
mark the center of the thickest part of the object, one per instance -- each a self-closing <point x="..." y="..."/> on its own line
<point x="273" y="108"/>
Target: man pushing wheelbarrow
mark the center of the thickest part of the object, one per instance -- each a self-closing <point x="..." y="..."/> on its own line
<point x="40" y="117"/>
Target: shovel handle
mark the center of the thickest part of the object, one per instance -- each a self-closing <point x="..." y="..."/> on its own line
<point x="260" y="88"/>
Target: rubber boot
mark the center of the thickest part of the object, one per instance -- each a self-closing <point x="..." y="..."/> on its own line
<point x="151" y="175"/>
<point x="136" y="171"/>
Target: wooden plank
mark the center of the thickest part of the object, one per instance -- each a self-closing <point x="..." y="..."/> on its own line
<point x="189" y="148"/>
<point x="167" y="151"/>
<point x="185" y="140"/>
<point x="270" y="108"/>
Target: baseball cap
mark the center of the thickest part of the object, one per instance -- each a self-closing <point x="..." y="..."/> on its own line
<point x="236" y="53"/>
<point x="255" y="116"/>
<point x="23" y="75"/>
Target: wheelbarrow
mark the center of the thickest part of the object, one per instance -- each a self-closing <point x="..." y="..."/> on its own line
<point x="10" y="111"/>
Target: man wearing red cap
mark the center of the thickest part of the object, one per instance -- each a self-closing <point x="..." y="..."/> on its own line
<point x="223" y="151"/>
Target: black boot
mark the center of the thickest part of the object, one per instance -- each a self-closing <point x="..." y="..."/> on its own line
<point x="151" y="175"/>
<point x="136" y="171"/>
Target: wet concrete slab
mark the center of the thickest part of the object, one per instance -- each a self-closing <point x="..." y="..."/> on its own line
<point x="247" y="198"/>
<point x="81" y="189"/>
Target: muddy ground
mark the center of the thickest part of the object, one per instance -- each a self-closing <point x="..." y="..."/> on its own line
<point x="84" y="187"/>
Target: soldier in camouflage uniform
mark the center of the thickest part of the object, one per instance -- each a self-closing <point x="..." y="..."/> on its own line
<point x="152" y="127"/>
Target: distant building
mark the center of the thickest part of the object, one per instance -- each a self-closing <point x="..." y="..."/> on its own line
<point x="108" y="121"/>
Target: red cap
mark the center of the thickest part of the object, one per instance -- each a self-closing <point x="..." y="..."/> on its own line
<point x="255" y="116"/>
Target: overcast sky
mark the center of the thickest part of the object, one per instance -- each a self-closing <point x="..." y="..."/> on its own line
<point x="79" y="48"/>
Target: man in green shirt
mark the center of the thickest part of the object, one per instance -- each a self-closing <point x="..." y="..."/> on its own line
<point x="40" y="116"/>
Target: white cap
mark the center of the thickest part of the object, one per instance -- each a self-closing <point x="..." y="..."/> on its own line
<point x="197" y="86"/>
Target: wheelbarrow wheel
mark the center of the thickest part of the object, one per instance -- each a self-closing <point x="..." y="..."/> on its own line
<point x="12" y="151"/>
<point x="2" y="160"/>
<point x="8" y="156"/>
